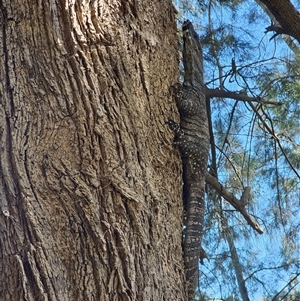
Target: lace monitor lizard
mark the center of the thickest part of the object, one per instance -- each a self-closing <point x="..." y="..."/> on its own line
<point x="192" y="137"/>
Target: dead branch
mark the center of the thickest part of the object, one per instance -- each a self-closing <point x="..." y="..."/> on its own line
<point x="209" y="93"/>
<point x="286" y="15"/>
<point x="239" y="205"/>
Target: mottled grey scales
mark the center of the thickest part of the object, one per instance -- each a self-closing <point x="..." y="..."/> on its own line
<point x="192" y="137"/>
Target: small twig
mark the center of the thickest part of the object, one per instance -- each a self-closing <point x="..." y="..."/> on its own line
<point x="275" y="137"/>
<point x="287" y="285"/>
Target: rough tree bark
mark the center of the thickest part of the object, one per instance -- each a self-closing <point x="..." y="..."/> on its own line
<point x="90" y="184"/>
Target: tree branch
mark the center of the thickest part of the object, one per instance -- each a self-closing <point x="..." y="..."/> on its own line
<point x="278" y="30"/>
<point x="286" y="15"/>
<point x="238" y="96"/>
<point x="237" y="204"/>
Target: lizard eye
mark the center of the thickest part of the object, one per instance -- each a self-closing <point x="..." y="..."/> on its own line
<point x="174" y="126"/>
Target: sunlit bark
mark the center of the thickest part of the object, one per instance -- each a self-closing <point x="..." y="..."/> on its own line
<point x="90" y="190"/>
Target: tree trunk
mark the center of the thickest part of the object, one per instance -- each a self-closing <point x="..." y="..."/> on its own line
<point x="90" y="190"/>
<point x="238" y="269"/>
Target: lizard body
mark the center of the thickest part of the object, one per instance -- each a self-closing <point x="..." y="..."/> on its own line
<point x="192" y="137"/>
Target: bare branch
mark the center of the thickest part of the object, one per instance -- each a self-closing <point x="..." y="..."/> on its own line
<point x="238" y="205"/>
<point x="278" y="30"/>
<point x="286" y="15"/>
<point x="239" y="96"/>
